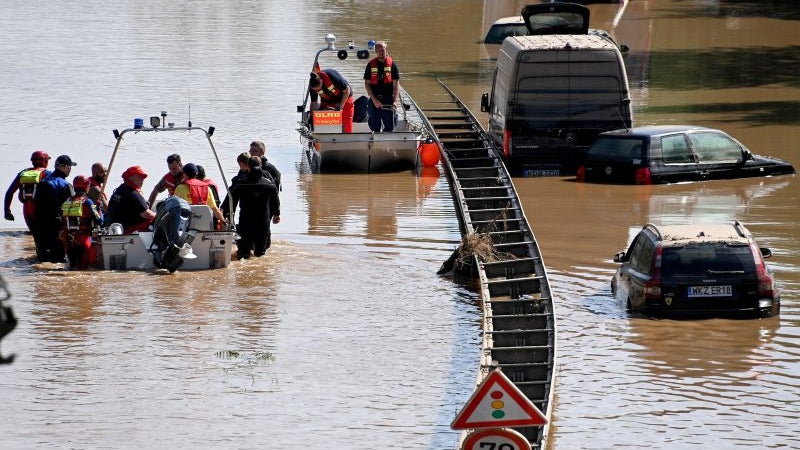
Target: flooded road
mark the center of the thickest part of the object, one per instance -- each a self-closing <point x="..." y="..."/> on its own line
<point x="342" y="336"/>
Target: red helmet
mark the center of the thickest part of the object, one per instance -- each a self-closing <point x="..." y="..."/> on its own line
<point x="39" y="155"/>
<point x="81" y="183"/>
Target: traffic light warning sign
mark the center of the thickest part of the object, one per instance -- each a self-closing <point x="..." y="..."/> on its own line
<point x="498" y="403"/>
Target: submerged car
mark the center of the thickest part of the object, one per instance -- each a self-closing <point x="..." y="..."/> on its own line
<point x="673" y="153"/>
<point x="707" y="269"/>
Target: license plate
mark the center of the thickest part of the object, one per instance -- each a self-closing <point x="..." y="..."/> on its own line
<point x="710" y="291"/>
<point x="535" y="173"/>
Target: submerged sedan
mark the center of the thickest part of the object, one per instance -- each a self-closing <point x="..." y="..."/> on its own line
<point x="673" y="153"/>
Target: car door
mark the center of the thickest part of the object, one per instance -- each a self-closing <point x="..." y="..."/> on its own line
<point x="718" y="155"/>
<point x="676" y="162"/>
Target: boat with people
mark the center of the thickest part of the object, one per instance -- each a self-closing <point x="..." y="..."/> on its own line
<point x="329" y="148"/>
<point x="182" y="236"/>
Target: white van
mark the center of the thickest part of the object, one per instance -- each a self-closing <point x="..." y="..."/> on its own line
<point x="552" y="94"/>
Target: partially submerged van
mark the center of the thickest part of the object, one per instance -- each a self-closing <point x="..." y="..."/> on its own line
<point x="552" y="94"/>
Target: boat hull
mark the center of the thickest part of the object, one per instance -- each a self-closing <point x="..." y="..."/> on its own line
<point x="364" y="152"/>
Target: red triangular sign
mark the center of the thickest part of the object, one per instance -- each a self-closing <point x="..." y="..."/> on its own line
<point x="498" y="403"/>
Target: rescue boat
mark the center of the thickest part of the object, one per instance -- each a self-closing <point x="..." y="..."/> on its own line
<point x="195" y="243"/>
<point x="329" y="149"/>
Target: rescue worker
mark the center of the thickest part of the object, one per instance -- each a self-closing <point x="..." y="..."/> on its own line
<point x="201" y="175"/>
<point x="333" y="92"/>
<point x="127" y="206"/>
<point x="26" y="182"/>
<point x="382" y="82"/>
<point x="79" y="216"/>
<point x="197" y="192"/>
<point x="257" y="197"/>
<point x="170" y="180"/>
<point x="96" y="182"/>
<point x="258" y="148"/>
<point x="51" y="193"/>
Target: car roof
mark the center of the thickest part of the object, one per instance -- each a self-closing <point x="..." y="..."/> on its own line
<point x="677" y="235"/>
<point x="656" y="130"/>
<point x="511" y="20"/>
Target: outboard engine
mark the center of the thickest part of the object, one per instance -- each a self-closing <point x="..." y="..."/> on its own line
<point x="171" y="241"/>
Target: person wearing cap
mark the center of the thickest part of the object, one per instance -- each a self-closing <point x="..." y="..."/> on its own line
<point x="258" y="148"/>
<point x="197" y="192"/>
<point x="169" y="181"/>
<point x="330" y="90"/>
<point x="79" y="216"/>
<point x="51" y="193"/>
<point x="26" y="182"/>
<point x="127" y="206"/>
<point x="382" y="82"/>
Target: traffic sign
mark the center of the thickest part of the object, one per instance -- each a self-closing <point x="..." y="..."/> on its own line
<point x="498" y="403"/>
<point x="495" y="439"/>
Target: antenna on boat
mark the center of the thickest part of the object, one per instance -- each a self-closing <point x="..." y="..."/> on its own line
<point x="189" y="94"/>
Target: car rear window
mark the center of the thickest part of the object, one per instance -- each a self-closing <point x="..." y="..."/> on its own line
<point x="617" y="149"/>
<point x="707" y="259"/>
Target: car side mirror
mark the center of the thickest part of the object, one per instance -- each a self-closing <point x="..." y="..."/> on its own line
<point x="765" y="252"/>
<point x="746" y="156"/>
<point x="485" y="102"/>
<point x="620" y="257"/>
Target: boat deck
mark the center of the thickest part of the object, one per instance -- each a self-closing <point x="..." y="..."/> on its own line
<point x="519" y="329"/>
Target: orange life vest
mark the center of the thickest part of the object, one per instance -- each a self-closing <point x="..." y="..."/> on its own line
<point x="329" y="91"/>
<point x="172" y="181"/>
<point x="387" y="71"/>
<point x="198" y="191"/>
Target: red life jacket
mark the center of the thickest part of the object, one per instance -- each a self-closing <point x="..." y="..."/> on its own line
<point x="198" y="191"/>
<point x="28" y="181"/>
<point x="329" y="93"/>
<point x="387" y="71"/>
<point x="172" y="181"/>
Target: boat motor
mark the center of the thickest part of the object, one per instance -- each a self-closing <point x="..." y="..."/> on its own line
<point x="7" y="319"/>
<point x="170" y="236"/>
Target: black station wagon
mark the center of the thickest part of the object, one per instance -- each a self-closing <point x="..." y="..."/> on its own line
<point x="696" y="269"/>
<point x="673" y="153"/>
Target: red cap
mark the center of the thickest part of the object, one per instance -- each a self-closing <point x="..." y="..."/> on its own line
<point x="133" y="170"/>
<point x="39" y="155"/>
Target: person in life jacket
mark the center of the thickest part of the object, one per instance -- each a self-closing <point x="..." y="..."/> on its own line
<point x="26" y="182"/>
<point x="333" y="92"/>
<point x="197" y="192"/>
<point x="201" y="175"/>
<point x="382" y="82"/>
<point x="79" y="216"/>
<point x="169" y="181"/>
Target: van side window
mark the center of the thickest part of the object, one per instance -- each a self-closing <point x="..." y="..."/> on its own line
<point x="714" y="147"/>
<point x="675" y="150"/>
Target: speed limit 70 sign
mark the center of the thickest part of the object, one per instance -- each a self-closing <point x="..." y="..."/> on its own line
<point x="495" y="439"/>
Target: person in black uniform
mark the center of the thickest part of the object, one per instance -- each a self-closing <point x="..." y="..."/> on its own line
<point x="258" y="148"/>
<point x="257" y="198"/>
<point x="52" y="192"/>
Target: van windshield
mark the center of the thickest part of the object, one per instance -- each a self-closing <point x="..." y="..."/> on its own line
<point x="616" y="149"/>
<point x="715" y="258"/>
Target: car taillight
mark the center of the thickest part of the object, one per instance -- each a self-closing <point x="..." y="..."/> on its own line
<point x="507" y="143"/>
<point x="766" y="283"/>
<point x="580" y="176"/>
<point x="652" y="288"/>
<point x="643" y="176"/>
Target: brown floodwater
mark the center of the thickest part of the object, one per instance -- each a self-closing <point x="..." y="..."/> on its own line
<point x="342" y="336"/>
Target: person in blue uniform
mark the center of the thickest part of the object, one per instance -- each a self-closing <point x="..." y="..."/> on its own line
<point x="51" y="193"/>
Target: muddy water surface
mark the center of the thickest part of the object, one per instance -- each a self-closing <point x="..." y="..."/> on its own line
<point x="342" y="337"/>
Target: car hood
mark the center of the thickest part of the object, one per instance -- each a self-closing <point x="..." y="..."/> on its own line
<point x="771" y="162"/>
